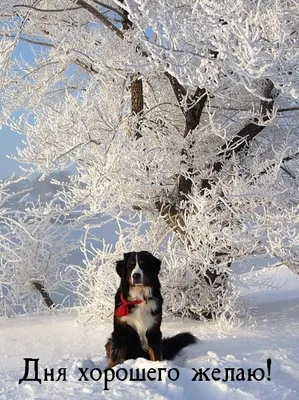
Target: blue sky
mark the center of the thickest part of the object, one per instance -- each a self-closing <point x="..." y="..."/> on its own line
<point x="9" y="142"/>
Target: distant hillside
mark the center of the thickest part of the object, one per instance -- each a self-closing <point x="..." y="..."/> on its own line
<point x="31" y="190"/>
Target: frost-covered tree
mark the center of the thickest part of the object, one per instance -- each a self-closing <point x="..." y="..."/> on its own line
<point x="35" y="244"/>
<point x="182" y="112"/>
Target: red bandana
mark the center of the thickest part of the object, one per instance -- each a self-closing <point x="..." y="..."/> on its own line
<point x="123" y="310"/>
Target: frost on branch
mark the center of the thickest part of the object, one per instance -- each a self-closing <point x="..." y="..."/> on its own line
<point x="202" y="43"/>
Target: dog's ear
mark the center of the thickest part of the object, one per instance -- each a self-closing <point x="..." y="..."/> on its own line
<point x="119" y="267"/>
<point x="121" y="264"/>
<point x="155" y="262"/>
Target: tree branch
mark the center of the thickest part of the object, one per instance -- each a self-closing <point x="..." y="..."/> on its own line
<point x="108" y="7"/>
<point x="31" y="41"/>
<point x="45" y="295"/>
<point x="81" y="4"/>
<point x="290" y="158"/>
<point x="245" y="135"/>
<point x="46" y="9"/>
<point x="284" y="160"/>
<point x="195" y="105"/>
<point x="288" y="172"/>
<point x="88" y="68"/>
<point x="179" y="90"/>
<point x="105" y="21"/>
<point x="192" y="110"/>
<point x="250" y="131"/>
<point x="280" y="110"/>
<point x="137" y="101"/>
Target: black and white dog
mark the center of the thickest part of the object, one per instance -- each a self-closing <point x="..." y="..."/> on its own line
<point x="138" y="314"/>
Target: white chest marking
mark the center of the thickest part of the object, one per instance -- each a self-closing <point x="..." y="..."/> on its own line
<point x="141" y="318"/>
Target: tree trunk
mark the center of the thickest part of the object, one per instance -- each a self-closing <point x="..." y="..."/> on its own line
<point x="45" y="295"/>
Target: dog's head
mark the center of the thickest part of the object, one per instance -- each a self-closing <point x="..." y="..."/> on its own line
<point x="138" y="269"/>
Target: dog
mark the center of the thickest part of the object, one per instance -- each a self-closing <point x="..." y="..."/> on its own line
<point x="138" y="314"/>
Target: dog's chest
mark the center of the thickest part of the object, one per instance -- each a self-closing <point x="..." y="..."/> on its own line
<point x="141" y="318"/>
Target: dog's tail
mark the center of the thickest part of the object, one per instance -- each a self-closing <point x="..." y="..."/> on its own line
<point x="171" y="346"/>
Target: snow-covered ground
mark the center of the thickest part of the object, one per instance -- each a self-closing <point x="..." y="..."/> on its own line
<point x="58" y="341"/>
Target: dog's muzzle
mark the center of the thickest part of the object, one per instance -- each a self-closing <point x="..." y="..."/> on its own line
<point x="137" y="279"/>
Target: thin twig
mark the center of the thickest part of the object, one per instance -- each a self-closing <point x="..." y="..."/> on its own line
<point x="53" y="10"/>
<point x="27" y="40"/>
<point x="287" y="109"/>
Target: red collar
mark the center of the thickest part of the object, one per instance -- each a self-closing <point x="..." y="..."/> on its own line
<point x="123" y="309"/>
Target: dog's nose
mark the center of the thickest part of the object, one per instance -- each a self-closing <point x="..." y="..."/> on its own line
<point x="136" y="277"/>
